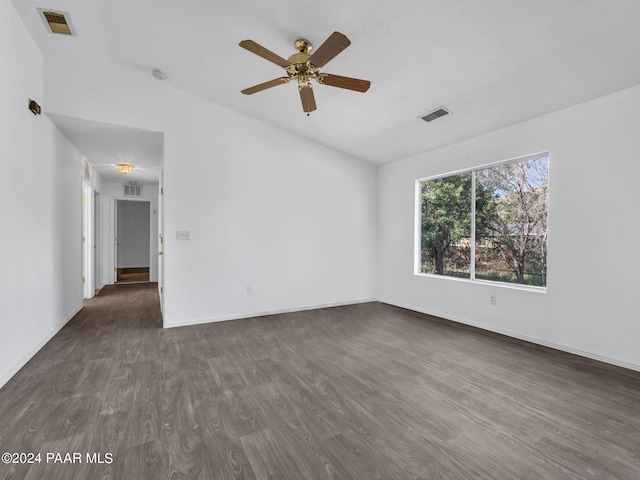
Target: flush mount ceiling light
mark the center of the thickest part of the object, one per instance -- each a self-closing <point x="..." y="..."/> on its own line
<point x="125" y="168"/>
<point x="159" y="74"/>
<point x="56" y="21"/>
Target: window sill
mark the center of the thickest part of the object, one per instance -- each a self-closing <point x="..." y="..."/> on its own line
<point x="527" y="288"/>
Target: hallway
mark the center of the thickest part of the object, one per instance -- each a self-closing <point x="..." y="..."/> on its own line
<point x="77" y="394"/>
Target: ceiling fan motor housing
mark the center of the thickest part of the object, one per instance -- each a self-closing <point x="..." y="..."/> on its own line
<point x="299" y="58"/>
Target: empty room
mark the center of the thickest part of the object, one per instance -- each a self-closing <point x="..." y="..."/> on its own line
<point x="319" y="240"/>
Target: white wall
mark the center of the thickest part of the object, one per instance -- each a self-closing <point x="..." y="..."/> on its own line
<point x="294" y="221"/>
<point x="40" y="179"/>
<point x="109" y="193"/>
<point x="290" y="220"/>
<point x="298" y="230"/>
<point x="591" y="305"/>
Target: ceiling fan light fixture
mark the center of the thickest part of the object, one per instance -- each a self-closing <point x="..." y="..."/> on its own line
<point x="125" y="168"/>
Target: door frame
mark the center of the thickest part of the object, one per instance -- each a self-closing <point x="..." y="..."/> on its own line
<point x="161" y="244"/>
<point x="96" y="240"/>
<point x="87" y="252"/>
<point x="114" y="226"/>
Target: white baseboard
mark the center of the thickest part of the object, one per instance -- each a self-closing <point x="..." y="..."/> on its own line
<point x="240" y="316"/>
<point x="508" y="333"/>
<point x="35" y="349"/>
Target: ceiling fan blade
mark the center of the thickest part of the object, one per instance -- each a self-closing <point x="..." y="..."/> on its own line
<point x="265" y="85"/>
<point x="345" y="82"/>
<point x="307" y="97"/>
<point x="259" y="50"/>
<point x="331" y="47"/>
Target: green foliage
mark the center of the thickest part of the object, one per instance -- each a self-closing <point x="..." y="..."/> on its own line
<point x="446" y="217"/>
<point x="511" y="223"/>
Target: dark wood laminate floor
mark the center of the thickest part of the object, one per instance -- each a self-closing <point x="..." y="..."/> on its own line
<point x="359" y="392"/>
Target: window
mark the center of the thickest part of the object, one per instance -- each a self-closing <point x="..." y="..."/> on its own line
<point x="487" y="224"/>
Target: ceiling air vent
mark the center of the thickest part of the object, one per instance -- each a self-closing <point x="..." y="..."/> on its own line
<point x="58" y="22"/>
<point x="133" y="190"/>
<point x="437" y="113"/>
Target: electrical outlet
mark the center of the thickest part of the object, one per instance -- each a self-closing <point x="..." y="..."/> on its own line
<point x="492" y="299"/>
<point x="249" y="290"/>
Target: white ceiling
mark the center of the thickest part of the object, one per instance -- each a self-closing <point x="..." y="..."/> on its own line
<point x="106" y="145"/>
<point x="492" y="63"/>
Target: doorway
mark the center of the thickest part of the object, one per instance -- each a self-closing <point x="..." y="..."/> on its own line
<point x="133" y="245"/>
<point x="96" y="245"/>
<point x="87" y="241"/>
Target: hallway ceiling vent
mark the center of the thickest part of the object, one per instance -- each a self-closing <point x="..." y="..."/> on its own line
<point x="58" y="22"/>
<point x="133" y="190"/>
<point x="437" y="113"/>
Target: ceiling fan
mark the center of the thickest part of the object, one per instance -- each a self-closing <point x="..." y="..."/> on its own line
<point x="304" y="67"/>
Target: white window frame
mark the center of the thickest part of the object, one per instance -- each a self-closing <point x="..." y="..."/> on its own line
<point x="417" y="263"/>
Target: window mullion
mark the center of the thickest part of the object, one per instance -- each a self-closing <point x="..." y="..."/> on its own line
<point x="472" y="259"/>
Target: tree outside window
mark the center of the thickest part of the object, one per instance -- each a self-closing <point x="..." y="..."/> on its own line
<point x="510" y="218"/>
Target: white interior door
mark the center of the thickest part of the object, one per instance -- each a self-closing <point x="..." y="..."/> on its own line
<point x="161" y="244"/>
